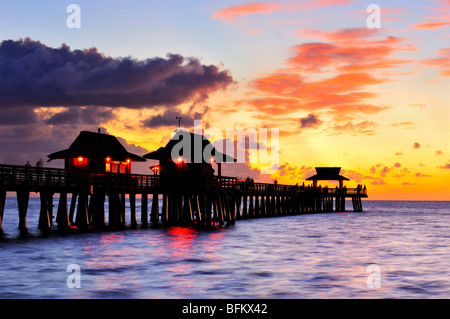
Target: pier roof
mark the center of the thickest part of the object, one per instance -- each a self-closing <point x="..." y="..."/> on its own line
<point x="164" y="153"/>
<point x="96" y="145"/>
<point x="327" y="174"/>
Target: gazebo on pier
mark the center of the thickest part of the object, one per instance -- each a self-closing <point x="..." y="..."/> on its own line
<point x="328" y="174"/>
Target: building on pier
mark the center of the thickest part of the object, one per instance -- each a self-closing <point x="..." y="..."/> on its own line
<point x="97" y="152"/>
<point x="328" y="174"/>
<point x="188" y="155"/>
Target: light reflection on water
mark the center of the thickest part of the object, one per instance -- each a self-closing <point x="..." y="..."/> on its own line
<point x="305" y="256"/>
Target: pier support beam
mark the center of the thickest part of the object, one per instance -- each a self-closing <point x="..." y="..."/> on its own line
<point x="73" y="203"/>
<point x="97" y="210"/>
<point x="164" y="209"/>
<point x="154" y="217"/>
<point x="257" y="210"/>
<point x="122" y="210"/>
<point x="144" y="210"/>
<point x="244" y="209"/>
<point x="82" y="218"/>
<point x="187" y="210"/>
<point x="62" y="215"/>
<point x="2" y="208"/>
<point x="133" y="219"/>
<point x="44" y="215"/>
<point x="112" y="204"/>
<point x="23" y="197"/>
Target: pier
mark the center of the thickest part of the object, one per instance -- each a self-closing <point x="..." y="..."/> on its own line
<point x="223" y="201"/>
<point x="98" y="169"/>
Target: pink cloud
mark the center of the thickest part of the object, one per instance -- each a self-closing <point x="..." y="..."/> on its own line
<point x="431" y="25"/>
<point x="442" y="62"/>
<point x="234" y="12"/>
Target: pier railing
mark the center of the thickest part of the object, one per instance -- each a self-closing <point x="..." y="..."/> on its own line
<point x="12" y="176"/>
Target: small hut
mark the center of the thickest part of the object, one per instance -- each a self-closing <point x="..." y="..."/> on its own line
<point x="328" y="174"/>
<point x="189" y="155"/>
<point x="97" y="152"/>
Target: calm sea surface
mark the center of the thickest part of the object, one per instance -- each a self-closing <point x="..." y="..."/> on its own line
<point x="328" y="255"/>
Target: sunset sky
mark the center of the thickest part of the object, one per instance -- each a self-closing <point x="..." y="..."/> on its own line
<point x="374" y="101"/>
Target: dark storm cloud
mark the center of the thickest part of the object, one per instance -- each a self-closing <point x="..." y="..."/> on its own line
<point x="33" y="74"/>
<point x="91" y="115"/>
<point x="310" y="121"/>
<point x="168" y="118"/>
<point x="17" y="116"/>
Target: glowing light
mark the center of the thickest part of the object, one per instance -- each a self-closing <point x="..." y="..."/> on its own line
<point x="80" y="158"/>
<point x="180" y="160"/>
<point x="212" y="160"/>
<point x="128" y="161"/>
<point x="108" y="159"/>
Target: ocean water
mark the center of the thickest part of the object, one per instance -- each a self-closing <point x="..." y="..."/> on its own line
<point x="394" y="249"/>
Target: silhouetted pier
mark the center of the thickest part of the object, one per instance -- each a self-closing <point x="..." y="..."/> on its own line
<point x="210" y="201"/>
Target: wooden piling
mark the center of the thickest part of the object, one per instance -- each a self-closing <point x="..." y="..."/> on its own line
<point x="97" y="210"/>
<point x="50" y="206"/>
<point x="23" y="197"/>
<point x="164" y="209"/>
<point x="82" y="217"/>
<point x="245" y="205"/>
<point x="198" y="210"/>
<point x="154" y="217"/>
<point x="357" y="204"/>
<point x="73" y="203"/>
<point x="122" y="210"/>
<point x="250" y="206"/>
<point x="238" y="205"/>
<point x="269" y="211"/>
<point x="216" y="209"/>
<point x="2" y="208"/>
<point x="187" y="210"/>
<point x="133" y="219"/>
<point x="257" y="209"/>
<point x="44" y="218"/>
<point x="144" y="210"/>
<point x="263" y="206"/>
<point x="113" y="203"/>
<point x="62" y="214"/>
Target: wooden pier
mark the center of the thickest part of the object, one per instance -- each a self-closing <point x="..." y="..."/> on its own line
<point x="214" y="202"/>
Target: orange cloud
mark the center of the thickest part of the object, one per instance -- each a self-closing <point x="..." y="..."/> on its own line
<point x="431" y="25"/>
<point x="439" y="19"/>
<point x="234" y="12"/>
<point x="349" y="50"/>
<point x="365" y="127"/>
<point x="442" y="62"/>
<point x="293" y="93"/>
<point x="348" y="63"/>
